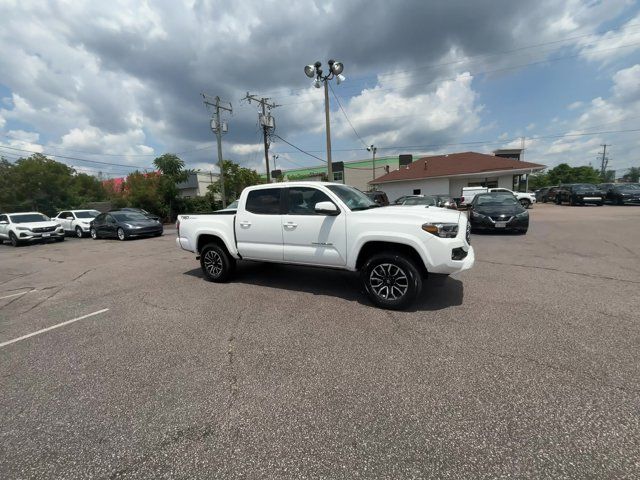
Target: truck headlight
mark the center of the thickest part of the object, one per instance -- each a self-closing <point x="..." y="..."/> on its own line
<point x="442" y="230"/>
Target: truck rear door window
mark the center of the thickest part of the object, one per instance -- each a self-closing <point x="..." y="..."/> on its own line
<point x="264" y="201"/>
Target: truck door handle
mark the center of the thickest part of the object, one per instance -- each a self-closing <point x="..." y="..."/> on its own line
<point x="290" y="225"/>
<point x="245" y="224"/>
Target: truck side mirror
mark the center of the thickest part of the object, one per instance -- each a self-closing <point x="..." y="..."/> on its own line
<point x="326" y="208"/>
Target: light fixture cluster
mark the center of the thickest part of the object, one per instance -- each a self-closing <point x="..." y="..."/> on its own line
<point x="315" y="71"/>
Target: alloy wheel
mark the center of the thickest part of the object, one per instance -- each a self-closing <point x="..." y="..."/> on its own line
<point x="120" y="234"/>
<point x="78" y="232"/>
<point x="388" y="281"/>
<point x="213" y="263"/>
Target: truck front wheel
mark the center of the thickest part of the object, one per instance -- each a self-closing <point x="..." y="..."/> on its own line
<point x="216" y="263"/>
<point x="391" y="280"/>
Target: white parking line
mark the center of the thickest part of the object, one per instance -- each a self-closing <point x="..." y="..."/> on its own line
<point x="4" y="344"/>
<point x="16" y="294"/>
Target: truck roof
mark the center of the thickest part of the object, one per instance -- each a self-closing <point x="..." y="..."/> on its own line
<point x="294" y="184"/>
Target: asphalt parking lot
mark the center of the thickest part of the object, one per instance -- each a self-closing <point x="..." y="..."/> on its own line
<point x="526" y="366"/>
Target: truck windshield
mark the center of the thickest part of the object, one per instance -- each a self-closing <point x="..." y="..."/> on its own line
<point x="354" y="199"/>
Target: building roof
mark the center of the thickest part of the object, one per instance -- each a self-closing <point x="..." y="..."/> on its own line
<point x="457" y="164"/>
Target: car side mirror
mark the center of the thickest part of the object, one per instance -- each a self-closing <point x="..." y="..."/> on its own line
<point x="326" y="208"/>
<point x="4" y="222"/>
<point x="69" y="218"/>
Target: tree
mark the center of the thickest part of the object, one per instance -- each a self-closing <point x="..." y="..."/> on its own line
<point x="142" y="190"/>
<point x="236" y="179"/>
<point x="633" y="175"/>
<point x="39" y="183"/>
<point x="173" y="172"/>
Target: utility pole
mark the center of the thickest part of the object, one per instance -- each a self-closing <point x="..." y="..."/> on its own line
<point x="218" y="128"/>
<point x="605" y="161"/>
<point x="373" y="149"/>
<point x="275" y="157"/>
<point x="267" y="122"/>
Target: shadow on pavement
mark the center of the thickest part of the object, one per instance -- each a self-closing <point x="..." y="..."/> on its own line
<point x="437" y="293"/>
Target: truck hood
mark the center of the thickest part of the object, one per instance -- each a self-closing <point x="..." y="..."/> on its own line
<point x="419" y="213"/>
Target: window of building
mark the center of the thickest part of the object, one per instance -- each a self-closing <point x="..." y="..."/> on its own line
<point x="264" y="201"/>
<point x="417" y="191"/>
<point x="338" y="176"/>
<point x="302" y="200"/>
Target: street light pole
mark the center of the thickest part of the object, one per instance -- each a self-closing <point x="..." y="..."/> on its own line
<point x="328" y="129"/>
<point x="335" y="71"/>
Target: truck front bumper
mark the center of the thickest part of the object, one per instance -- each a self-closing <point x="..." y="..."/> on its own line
<point x="454" y="266"/>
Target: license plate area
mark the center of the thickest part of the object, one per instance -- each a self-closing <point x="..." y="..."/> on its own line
<point x="46" y="235"/>
<point x="501" y="224"/>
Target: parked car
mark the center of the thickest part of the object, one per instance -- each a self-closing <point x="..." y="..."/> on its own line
<point x="400" y="200"/>
<point x="427" y="200"/>
<point x="29" y="227"/>
<point x="525" y="199"/>
<point x="446" y="201"/>
<point x="137" y="210"/>
<point x="76" y="221"/>
<point x="379" y="197"/>
<point x="621" y="193"/>
<point x="335" y="226"/>
<point x="579" y="194"/>
<point x="552" y="194"/>
<point x="124" y="224"/>
<point x="541" y="194"/>
<point x="498" y="211"/>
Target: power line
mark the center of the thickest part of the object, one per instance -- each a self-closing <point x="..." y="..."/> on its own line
<point x="347" y="117"/>
<point x="136" y="167"/>
<point x="299" y="149"/>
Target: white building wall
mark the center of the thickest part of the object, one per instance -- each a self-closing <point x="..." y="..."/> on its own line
<point x="430" y="186"/>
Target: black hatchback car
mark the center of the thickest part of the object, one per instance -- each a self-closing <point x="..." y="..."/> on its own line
<point x="498" y="212"/>
<point x="379" y="197"/>
<point x="123" y="224"/>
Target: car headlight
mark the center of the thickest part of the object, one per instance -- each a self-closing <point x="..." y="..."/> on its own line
<point x="523" y="215"/>
<point x="442" y="230"/>
<point x="476" y="214"/>
<point x="22" y="228"/>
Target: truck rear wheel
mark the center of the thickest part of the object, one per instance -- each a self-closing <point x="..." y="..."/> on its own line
<point x="216" y="263"/>
<point x="391" y="280"/>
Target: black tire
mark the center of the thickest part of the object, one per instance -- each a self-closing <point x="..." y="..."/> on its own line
<point x="79" y="232"/>
<point x="59" y="239"/>
<point x="120" y="234"/>
<point x="386" y="271"/>
<point x="599" y="204"/>
<point x="13" y="239"/>
<point x="572" y="202"/>
<point x="93" y="233"/>
<point x="217" y="265"/>
<point x="525" y="203"/>
<point x="558" y="200"/>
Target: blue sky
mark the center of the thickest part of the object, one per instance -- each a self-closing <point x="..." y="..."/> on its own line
<point x="120" y="83"/>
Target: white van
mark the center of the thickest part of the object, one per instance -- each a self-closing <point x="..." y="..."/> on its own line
<point x="525" y="199"/>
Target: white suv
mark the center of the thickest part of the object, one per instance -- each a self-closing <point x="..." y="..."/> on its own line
<point x="27" y="227"/>
<point x="76" y="221"/>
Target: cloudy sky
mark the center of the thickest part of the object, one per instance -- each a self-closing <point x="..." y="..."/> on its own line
<point x="120" y="82"/>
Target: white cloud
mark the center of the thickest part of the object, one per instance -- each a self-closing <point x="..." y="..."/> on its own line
<point x="612" y="45"/>
<point x="575" y="105"/>
<point x="246" y="148"/>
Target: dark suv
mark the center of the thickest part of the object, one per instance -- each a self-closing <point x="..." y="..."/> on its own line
<point x="579" y="194"/>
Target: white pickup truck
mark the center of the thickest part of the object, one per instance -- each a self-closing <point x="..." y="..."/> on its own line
<point x="525" y="199"/>
<point x="335" y="226"/>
